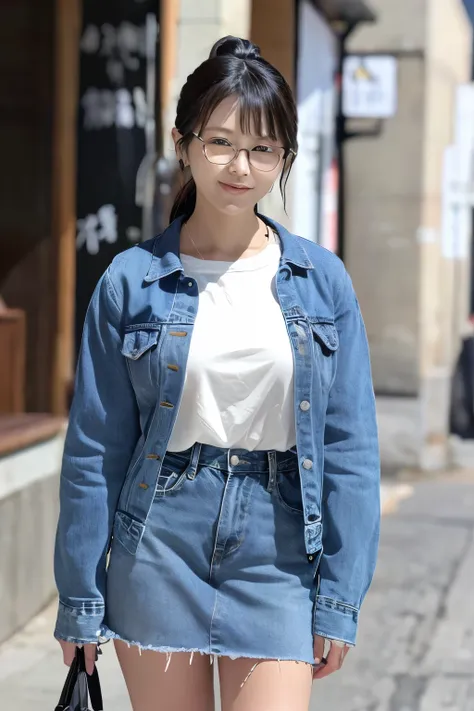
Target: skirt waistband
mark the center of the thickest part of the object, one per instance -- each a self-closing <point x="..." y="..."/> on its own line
<point x="237" y="461"/>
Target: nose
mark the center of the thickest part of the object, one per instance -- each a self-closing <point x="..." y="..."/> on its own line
<point x="241" y="165"/>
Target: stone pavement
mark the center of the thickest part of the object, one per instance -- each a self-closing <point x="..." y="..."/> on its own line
<point x="416" y="643"/>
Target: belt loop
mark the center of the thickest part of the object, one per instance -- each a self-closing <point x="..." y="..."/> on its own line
<point x="194" y="461"/>
<point x="272" y="470"/>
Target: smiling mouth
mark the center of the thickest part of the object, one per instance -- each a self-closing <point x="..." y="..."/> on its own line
<point x="242" y="188"/>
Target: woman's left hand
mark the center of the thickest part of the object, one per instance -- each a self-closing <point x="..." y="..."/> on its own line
<point x="333" y="660"/>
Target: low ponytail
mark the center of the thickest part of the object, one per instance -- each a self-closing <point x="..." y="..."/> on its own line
<point x="185" y="201"/>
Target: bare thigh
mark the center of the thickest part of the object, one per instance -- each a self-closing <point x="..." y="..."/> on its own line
<point x="266" y="685"/>
<point x="155" y="685"/>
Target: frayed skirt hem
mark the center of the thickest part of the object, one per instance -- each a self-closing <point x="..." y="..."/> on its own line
<point x="107" y="634"/>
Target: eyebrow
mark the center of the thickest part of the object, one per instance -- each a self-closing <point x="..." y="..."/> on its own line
<point x="221" y="129"/>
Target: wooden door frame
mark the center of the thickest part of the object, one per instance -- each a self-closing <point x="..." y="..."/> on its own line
<point x="68" y="14"/>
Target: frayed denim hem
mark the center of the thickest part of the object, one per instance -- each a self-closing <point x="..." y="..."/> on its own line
<point x="76" y="640"/>
<point x="108" y="634"/>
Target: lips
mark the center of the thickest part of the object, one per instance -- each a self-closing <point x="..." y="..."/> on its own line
<point x="236" y="189"/>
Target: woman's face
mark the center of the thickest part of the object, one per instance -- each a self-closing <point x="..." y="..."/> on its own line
<point x="237" y="186"/>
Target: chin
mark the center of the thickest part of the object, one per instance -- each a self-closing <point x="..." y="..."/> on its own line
<point x="233" y="209"/>
<point x="236" y="207"/>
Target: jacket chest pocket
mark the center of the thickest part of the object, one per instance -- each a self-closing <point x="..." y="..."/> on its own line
<point x="140" y="347"/>
<point x="326" y="345"/>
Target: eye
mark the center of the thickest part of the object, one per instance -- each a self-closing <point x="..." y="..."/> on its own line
<point x="264" y="149"/>
<point x="219" y="141"/>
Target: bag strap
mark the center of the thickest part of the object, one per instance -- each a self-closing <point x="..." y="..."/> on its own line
<point x="95" y="692"/>
<point x="68" y="688"/>
<point x="93" y="682"/>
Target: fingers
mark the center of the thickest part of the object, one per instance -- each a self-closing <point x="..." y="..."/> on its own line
<point x="69" y="652"/>
<point x="318" y="649"/>
<point x="334" y="660"/>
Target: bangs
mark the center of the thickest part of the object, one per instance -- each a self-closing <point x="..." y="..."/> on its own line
<point x="262" y="110"/>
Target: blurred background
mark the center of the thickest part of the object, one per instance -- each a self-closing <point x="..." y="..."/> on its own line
<point x="384" y="178"/>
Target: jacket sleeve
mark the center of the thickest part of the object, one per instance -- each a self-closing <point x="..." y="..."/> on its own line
<point x="102" y="433"/>
<point x="351" y="481"/>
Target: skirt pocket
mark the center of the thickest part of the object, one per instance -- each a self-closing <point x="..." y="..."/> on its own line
<point x="127" y="531"/>
<point x="172" y="474"/>
<point x="288" y="489"/>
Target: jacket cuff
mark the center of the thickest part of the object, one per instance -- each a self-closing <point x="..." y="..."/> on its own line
<point x="79" y="623"/>
<point x="335" y="620"/>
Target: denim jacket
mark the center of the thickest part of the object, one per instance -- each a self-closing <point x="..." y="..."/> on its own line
<point x="129" y="383"/>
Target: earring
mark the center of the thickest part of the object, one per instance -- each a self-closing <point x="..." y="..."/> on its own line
<point x="181" y="164"/>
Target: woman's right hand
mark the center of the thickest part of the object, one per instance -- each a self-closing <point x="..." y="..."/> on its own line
<point x="69" y="652"/>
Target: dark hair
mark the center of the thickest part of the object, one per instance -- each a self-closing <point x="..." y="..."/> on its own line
<point x="236" y="67"/>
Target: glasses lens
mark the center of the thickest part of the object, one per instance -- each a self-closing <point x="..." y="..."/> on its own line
<point x="220" y="154"/>
<point x="265" y="160"/>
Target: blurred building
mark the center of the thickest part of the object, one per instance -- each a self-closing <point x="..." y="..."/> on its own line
<point x="413" y="293"/>
<point x="470" y="10"/>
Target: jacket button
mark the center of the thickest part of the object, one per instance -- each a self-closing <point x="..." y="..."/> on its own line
<point x="304" y="405"/>
<point x="307" y="464"/>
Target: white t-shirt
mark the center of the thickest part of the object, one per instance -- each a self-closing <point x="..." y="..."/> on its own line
<point x="239" y="387"/>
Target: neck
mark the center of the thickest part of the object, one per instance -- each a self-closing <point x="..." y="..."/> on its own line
<point x="220" y="236"/>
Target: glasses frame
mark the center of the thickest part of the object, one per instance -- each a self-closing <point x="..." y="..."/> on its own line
<point x="239" y="150"/>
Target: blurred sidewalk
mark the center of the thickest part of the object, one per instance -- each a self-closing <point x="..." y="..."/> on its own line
<point x="32" y="671"/>
<point x="416" y="644"/>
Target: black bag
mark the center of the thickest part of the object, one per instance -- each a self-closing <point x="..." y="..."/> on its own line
<point x="79" y="686"/>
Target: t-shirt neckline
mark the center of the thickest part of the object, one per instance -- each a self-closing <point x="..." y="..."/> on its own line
<point x="257" y="261"/>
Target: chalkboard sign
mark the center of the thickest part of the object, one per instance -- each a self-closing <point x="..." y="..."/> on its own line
<point x="113" y="112"/>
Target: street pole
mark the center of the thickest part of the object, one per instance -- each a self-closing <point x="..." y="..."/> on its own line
<point x="342" y="35"/>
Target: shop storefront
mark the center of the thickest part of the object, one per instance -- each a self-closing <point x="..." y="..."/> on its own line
<point x="115" y="136"/>
<point x="76" y="127"/>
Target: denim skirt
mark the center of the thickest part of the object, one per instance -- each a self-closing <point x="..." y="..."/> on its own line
<point x="221" y="568"/>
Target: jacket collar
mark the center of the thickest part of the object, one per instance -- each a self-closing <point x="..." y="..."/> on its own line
<point x="165" y="259"/>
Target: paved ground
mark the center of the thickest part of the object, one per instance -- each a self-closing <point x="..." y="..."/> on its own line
<point x="416" y="647"/>
<point x="416" y="642"/>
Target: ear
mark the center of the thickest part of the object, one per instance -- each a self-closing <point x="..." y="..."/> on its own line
<point x="176" y="136"/>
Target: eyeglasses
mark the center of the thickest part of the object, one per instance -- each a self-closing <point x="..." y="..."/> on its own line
<point x="220" y="152"/>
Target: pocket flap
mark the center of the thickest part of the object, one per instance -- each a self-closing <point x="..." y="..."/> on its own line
<point x="136" y="343"/>
<point x="128" y="531"/>
<point x="327" y="334"/>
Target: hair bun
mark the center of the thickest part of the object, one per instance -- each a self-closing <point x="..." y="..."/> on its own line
<point x="236" y="47"/>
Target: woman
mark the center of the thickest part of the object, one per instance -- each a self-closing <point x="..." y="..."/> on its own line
<point x="234" y="475"/>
